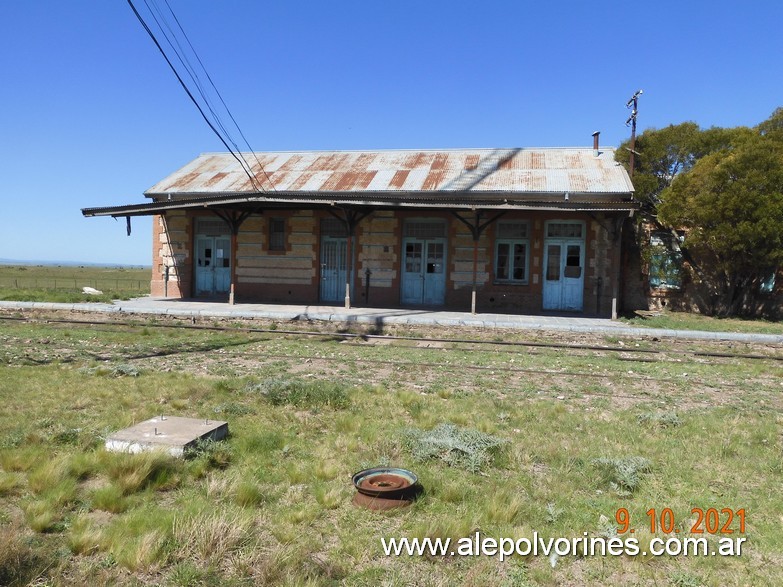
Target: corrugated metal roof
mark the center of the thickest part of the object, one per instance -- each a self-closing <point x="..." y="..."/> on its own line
<point x="513" y="171"/>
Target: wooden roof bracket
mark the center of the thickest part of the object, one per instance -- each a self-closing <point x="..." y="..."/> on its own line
<point x="350" y="217"/>
<point x="475" y="226"/>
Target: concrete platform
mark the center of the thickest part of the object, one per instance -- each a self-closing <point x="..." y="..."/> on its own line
<point x="171" y="434"/>
<point x="379" y="317"/>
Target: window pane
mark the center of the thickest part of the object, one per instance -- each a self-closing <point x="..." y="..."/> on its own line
<point x="512" y="230"/>
<point x="768" y="285"/>
<point x="212" y="227"/>
<point x="434" y="257"/>
<point x="519" y="262"/>
<point x="425" y="229"/>
<point x="564" y="230"/>
<point x="501" y="268"/>
<point x="665" y="261"/>
<point x="665" y="269"/>
<point x="277" y="234"/>
<point x="333" y="227"/>
<point x="413" y="257"/>
<point x="572" y="256"/>
<point x="553" y="263"/>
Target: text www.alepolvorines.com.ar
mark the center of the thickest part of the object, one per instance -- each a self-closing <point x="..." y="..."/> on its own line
<point x="502" y="548"/>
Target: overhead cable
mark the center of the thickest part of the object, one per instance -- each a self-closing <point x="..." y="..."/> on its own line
<point x="204" y="69"/>
<point x="236" y="153"/>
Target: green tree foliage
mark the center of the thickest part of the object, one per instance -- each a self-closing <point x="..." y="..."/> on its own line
<point x="724" y="187"/>
<point x="731" y="206"/>
<point x="663" y="154"/>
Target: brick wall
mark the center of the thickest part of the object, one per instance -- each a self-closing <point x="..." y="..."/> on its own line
<point x="293" y="275"/>
<point x="172" y="248"/>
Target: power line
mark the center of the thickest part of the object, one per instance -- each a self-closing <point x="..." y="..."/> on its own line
<point x="226" y="136"/>
<point x="183" y="58"/>
<point x="181" y="54"/>
<point x="236" y="153"/>
<point x="184" y="34"/>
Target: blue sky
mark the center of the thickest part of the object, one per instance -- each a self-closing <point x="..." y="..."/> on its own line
<point x="90" y="114"/>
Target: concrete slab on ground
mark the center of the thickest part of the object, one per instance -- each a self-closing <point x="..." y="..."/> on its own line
<point x="172" y="434"/>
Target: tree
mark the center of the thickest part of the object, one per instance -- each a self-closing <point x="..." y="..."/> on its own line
<point x="663" y="154"/>
<point x="731" y="206"/>
<point x="723" y="188"/>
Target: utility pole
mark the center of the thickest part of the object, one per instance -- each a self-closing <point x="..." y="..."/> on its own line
<point x="633" y="104"/>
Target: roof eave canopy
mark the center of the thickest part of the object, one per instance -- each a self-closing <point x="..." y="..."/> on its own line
<point x="574" y="202"/>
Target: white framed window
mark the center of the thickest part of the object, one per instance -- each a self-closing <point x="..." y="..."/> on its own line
<point x="512" y="248"/>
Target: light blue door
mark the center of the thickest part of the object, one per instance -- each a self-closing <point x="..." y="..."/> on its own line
<point x="424" y="272"/>
<point x="333" y="251"/>
<point x="563" y="275"/>
<point x="213" y="265"/>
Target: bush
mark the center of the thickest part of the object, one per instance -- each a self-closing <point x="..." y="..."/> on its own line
<point x="212" y="454"/>
<point x="624" y="474"/>
<point x="302" y="394"/>
<point x="233" y="409"/>
<point x="464" y="448"/>
<point x="661" y="419"/>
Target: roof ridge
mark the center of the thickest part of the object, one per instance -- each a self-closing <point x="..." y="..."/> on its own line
<point x="412" y="150"/>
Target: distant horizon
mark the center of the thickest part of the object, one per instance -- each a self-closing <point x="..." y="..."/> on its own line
<point x="46" y="263"/>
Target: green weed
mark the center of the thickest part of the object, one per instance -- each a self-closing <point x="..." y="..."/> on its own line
<point x="303" y="394"/>
<point x="464" y="448"/>
<point x="624" y="474"/>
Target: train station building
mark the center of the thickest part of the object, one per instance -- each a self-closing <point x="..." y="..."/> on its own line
<point x="482" y="230"/>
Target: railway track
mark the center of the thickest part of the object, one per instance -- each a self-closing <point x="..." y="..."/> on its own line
<point x="454" y="343"/>
<point x="448" y="348"/>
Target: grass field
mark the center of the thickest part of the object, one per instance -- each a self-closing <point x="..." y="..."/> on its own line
<point x="47" y="283"/>
<point x="272" y="504"/>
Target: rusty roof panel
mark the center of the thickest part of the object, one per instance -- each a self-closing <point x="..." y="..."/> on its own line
<point x="432" y="182"/>
<point x="574" y="170"/>
<point x="398" y="179"/>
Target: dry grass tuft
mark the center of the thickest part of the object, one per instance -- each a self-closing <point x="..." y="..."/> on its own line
<point x="211" y="537"/>
<point x="20" y="563"/>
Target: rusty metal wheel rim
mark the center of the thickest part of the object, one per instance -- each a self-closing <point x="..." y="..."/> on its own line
<point x="385" y="482"/>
